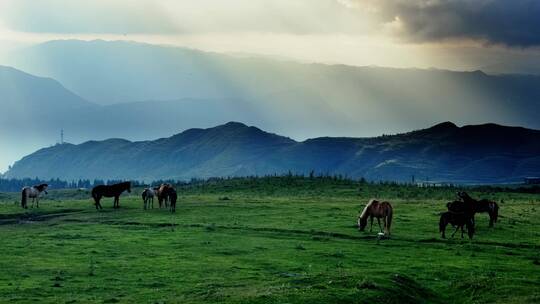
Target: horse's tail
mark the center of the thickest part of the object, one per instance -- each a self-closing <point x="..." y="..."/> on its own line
<point x="389" y="218"/>
<point x="495" y="212"/>
<point x="23" y="197"/>
<point x="144" y="194"/>
<point x="442" y="222"/>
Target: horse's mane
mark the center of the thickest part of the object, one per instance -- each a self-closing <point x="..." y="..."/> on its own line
<point x="466" y="197"/>
<point x="41" y="186"/>
<point x="366" y="208"/>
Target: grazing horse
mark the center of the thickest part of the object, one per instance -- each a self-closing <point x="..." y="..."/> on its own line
<point x="161" y="192"/>
<point x="172" y="196"/>
<point x="32" y="192"/>
<point x="110" y="191"/>
<point x="482" y="205"/>
<point x="458" y="220"/>
<point x="148" y="196"/>
<point x="379" y="210"/>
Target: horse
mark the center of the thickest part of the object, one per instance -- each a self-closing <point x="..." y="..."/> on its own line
<point x="460" y="207"/>
<point x="458" y="220"/>
<point x="379" y="210"/>
<point x="172" y="196"/>
<point x="148" y="196"/>
<point x="482" y="205"/>
<point x="32" y="192"/>
<point x="161" y="192"/>
<point x="110" y="191"/>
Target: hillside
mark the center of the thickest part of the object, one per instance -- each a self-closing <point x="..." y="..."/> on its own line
<point x="445" y="152"/>
<point x="102" y="89"/>
<point x="35" y="109"/>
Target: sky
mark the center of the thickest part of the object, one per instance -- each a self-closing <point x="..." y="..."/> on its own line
<point x="492" y="35"/>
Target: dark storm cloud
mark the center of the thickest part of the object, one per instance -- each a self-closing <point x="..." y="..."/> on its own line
<point x="514" y="23"/>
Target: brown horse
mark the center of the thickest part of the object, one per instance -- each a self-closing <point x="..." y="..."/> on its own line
<point x="110" y="191"/>
<point x="480" y="206"/>
<point x="379" y="210"/>
<point x="162" y="194"/>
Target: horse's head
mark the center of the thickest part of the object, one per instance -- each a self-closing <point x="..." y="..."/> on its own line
<point x="43" y="188"/>
<point x="464" y="196"/>
<point x="362" y="223"/>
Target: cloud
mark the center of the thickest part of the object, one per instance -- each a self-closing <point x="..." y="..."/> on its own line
<point x="512" y="23"/>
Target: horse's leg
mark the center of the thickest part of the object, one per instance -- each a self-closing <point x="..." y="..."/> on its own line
<point x="371" y="226"/>
<point x="457" y="228"/>
<point x="98" y="202"/>
<point x="379" y="221"/>
<point x="490" y="219"/>
<point x="442" y="227"/>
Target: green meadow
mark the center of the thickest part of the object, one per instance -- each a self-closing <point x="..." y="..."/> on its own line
<point x="267" y="240"/>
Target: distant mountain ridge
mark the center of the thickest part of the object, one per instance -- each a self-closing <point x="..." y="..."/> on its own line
<point x="163" y="90"/>
<point x="486" y="153"/>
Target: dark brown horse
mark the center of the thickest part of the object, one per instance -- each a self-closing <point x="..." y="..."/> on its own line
<point x="172" y="196"/>
<point x="110" y="191"/>
<point x="458" y="220"/>
<point x="481" y="206"/>
<point x="33" y="193"/>
<point x="377" y="209"/>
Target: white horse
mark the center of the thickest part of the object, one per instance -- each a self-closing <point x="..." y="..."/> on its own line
<point x="32" y="192"/>
<point x="148" y="196"/>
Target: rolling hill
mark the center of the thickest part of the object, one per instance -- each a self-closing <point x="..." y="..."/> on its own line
<point x="486" y="153"/>
<point x="35" y="109"/>
<point x="103" y="89"/>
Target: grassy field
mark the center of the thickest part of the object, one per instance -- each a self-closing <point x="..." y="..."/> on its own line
<point x="281" y="240"/>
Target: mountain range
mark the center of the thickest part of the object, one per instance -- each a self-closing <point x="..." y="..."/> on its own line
<point x="487" y="153"/>
<point x="102" y="89"/>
